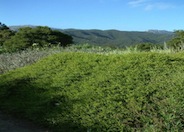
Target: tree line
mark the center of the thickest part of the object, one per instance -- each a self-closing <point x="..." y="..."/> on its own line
<point x="176" y="43"/>
<point x="43" y="36"/>
<point x="27" y="37"/>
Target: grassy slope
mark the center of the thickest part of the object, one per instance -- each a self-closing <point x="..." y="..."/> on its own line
<point x="87" y="91"/>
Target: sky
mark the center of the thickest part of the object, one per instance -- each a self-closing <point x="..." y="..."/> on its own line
<point x="124" y="15"/>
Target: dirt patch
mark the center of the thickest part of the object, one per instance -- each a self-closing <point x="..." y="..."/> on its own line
<point x="12" y="124"/>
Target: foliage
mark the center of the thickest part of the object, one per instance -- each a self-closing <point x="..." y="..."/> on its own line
<point x="116" y="38"/>
<point x="5" y="33"/>
<point x="146" y="46"/>
<point x="3" y="26"/>
<point x="38" y="36"/>
<point x="74" y="91"/>
<point x="177" y="42"/>
<point x="10" y="61"/>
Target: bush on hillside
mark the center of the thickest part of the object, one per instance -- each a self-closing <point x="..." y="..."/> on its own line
<point x="100" y="93"/>
<point x="146" y="46"/>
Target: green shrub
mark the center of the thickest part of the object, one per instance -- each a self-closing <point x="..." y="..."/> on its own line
<point x="147" y="46"/>
<point x="40" y="36"/>
<point x="87" y="91"/>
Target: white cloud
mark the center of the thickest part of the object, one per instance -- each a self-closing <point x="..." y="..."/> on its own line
<point x="159" y="6"/>
<point x="136" y="3"/>
<point x="150" y="5"/>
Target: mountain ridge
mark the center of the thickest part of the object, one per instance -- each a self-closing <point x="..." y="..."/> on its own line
<point x="113" y="37"/>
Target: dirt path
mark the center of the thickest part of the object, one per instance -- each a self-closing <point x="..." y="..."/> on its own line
<point x="11" y="124"/>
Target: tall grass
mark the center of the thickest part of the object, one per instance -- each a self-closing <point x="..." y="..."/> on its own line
<point x="10" y="61"/>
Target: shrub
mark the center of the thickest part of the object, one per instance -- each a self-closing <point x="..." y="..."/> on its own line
<point x="41" y="36"/>
<point x="87" y="91"/>
<point x="146" y="46"/>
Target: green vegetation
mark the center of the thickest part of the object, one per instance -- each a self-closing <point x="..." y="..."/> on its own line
<point x="146" y="46"/>
<point x="10" y="61"/>
<point x="177" y="43"/>
<point x="5" y="34"/>
<point x="74" y="91"/>
<point x="114" y="38"/>
<point x="92" y="88"/>
<point x="27" y="37"/>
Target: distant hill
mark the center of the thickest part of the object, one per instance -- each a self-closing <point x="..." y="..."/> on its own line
<point x="160" y="32"/>
<point x="114" y="38"/>
<point x="117" y="38"/>
<point x="15" y="28"/>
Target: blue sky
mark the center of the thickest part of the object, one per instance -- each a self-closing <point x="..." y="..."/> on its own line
<point x="125" y="15"/>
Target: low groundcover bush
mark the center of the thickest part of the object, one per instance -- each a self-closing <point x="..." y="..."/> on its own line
<point x="92" y="92"/>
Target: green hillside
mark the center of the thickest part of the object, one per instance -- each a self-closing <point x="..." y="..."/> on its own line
<point x="117" y="38"/>
<point x="114" y="38"/>
<point x="74" y="91"/>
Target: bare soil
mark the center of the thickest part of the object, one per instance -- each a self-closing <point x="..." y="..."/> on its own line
<point x="9" y="123"/>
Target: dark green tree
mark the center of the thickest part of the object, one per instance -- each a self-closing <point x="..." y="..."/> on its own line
<point x="5" y="33"/>
<point x="177" y="42"/>
<point x="40" y="36"/>
<point x="3" y="27"/>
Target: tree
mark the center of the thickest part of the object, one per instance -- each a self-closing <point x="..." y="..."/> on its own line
<point x="3" y="27"/>
<point x="41" y="36"/>
<point x="5" y="33"/>
<point x="177" y="42"/>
